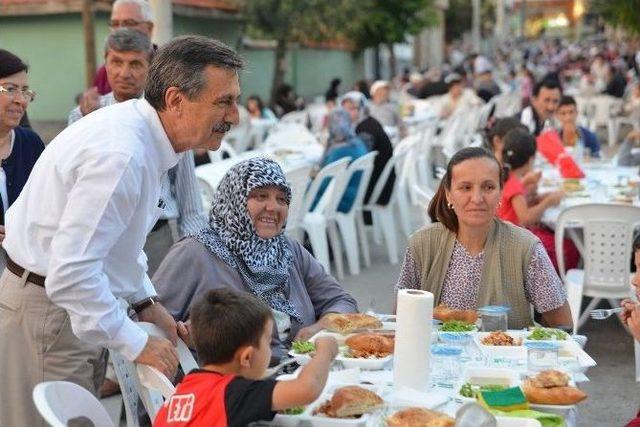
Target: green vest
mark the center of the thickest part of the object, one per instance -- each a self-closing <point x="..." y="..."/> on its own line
<point x="507" y="254"/>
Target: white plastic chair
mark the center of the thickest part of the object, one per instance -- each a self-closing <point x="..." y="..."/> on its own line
<point x="61" y="401"/>
<point x="608" y="231"/>
<point x="130" y="381"/>
<point x="347" y="221"/>
<point x="383" y="216"/>
<point x="153" y="379"/>
<point x="316" y="223"/>
<point x="298" y="180"/>
<point x="206" y="193"/>
<point x="407" y="176"/>
<point x="225" y="147"/>
<point x="423" y="198"/>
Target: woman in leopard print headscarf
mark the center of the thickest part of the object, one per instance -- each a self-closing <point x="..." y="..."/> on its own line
<point x="245" y="248"/>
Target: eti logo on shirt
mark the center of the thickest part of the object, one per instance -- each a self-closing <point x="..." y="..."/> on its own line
<point x="181" y="407"/>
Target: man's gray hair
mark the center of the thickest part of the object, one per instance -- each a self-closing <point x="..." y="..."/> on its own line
<point x="143" y="5"/>
<point x="182" y="62"/>
<point x="128" y="40"/>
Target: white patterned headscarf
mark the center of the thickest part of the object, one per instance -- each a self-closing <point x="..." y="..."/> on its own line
<point x="263" y="263"/>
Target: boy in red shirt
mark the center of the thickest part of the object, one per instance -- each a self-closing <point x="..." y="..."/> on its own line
<point x="232" y="333"/>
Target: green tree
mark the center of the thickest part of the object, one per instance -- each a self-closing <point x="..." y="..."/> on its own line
<point x="291" y="21"/>
<point x="386" y="22"/>
<point x="624" y="14"/>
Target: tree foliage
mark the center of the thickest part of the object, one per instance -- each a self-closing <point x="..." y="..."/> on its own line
<point x="623" y="14"/>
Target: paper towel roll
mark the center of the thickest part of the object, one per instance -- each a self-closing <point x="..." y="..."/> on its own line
<point x="412" y="354"/>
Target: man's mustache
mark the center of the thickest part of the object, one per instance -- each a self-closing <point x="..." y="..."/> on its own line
<point x="222" y="127"/>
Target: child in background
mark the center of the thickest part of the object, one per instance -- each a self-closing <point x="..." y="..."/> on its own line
<point x="232" y="333"/>
<point x="518" y="156"/>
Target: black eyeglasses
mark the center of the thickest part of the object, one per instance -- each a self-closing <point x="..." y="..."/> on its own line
<point x="12" y="92"/>
<point x="116" y="23"/>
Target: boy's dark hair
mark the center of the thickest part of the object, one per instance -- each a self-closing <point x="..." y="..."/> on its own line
<point x="547" y="83"/>
<point x="222" y="321"/>
<point x="438" y="210"/>
<point x="519" y="147"/>
<point x="567" y="100"/>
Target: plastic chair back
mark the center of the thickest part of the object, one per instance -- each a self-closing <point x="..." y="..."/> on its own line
<point x="396" y="159"/>
<point x="153" y="379"/>
<point x="61" y="401"/>
<point x="225" y="147"/>
<point x="333" y="171"/>
<point x="298" y="180"/>
<point x="364" y="165"/>
<point x="608" y="232"/>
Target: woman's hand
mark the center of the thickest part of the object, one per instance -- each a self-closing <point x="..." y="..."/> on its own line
<point x="308" y="331"/>
<point x="629" y="306"/>
<point x="184" y="332"/>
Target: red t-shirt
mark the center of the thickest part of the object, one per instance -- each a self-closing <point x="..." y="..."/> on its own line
<point x="513" y="187"/>
<point x="206" y="398"/>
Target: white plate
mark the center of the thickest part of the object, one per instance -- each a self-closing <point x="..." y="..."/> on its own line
<point x="517" y="422"/>
<point x="513" y="351"/>
<point x="362" y="363"/>
<point x="386" y="326"/>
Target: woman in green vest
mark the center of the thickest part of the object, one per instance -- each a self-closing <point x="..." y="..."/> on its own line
<point x="468" y="258"/>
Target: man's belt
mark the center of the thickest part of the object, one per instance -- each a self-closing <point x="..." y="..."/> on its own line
<point x="159" y="224"/>
<point x="19" y="271"/>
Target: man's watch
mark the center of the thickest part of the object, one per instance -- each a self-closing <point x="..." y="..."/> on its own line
<point x="144" y="304"/>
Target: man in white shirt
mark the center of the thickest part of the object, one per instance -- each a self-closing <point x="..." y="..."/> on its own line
<point x="76" y="232"/>
<point x="127" y="57"/>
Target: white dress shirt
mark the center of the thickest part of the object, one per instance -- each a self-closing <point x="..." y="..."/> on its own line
<point x="180" y="192"/>
<point x="84" y="214"/>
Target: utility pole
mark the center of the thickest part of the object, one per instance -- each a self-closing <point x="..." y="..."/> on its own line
<point x="89" y="42"/>
<point x="475" y="25"/>
<point x="163" y="21"/>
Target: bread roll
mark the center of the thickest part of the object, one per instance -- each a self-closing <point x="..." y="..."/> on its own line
<point x="352" y="401"/>
<point x="349" y="322"/>
<point x="419" y="417"/>
<point x="565" y="395"/>
<point x="444" y="314"/>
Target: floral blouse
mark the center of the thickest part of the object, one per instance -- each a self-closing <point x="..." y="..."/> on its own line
<point x="542" y="286"/>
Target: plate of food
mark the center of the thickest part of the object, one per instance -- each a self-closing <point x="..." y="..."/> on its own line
<point x="572" y="185"/>
<point x="302" y="351"/>
<point x="457" y="327"/>
<point x="501" y="343"/>
<point x="348" y="323"/>
<point x="444" y="314"/>
<point x="367" y="351"/>
<point x="414" y="416"/>
<point x="552" y="391"/>
<point x="540" y="333"/>
<point x="349" y="405"/>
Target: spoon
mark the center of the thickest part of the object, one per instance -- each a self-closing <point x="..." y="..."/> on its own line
<point x="474" y="415"/>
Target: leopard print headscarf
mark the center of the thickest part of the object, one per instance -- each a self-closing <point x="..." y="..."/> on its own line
<point x="263" y="263"/>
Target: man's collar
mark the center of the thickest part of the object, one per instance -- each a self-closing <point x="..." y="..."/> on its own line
<point x="167" y="155"/>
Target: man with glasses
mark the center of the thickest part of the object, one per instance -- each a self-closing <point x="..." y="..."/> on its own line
<point x="134" y="14"/>
<point x="76" y="232"/>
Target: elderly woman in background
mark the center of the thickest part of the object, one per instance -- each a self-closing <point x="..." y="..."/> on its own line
<point x="372" y="133"/>
<point x="244" y="248"/>
<point x="342" y="142"/>
<point x="19" y="147"/>
<point x="469" y="259"/>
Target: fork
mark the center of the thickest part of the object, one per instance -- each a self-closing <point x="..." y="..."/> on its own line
<point x="602" y="314"/>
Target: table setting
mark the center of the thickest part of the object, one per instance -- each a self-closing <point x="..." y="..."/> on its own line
<point x="396" y="370"/>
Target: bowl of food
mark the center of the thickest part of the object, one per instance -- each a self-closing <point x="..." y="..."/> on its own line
<point x="367" y="351"/>
<point x="457" y="327"/>
<point x="502" y="344"/>
<point x="546" y="334"/>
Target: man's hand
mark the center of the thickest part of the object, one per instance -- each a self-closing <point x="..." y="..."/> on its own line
<point x="308" y="331"/>
<point x="628" y="306"/>
<point x="159" y="316"/>
<point x="89" y="101"/>
<point x="184" y="332"/>
<point x="161" y="354"/>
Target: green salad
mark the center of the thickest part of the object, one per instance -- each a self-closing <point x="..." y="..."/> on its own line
<point x="303" y="347"/>
<point x="547" y="334"/>
<point x="472" y="390"/>
<point x="457" y="326"/>
<point x="297" y="410"/>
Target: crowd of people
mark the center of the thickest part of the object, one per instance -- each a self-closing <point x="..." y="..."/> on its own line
<point x="87" y="218"/>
